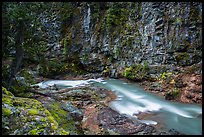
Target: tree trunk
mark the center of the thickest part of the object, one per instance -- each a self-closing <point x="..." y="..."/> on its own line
<point x="16" y="63"/>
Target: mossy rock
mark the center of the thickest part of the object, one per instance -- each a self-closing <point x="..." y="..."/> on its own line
<point x="5" y="91"/>
<point x="24" y="116"/>
<point x="62" y="116"/>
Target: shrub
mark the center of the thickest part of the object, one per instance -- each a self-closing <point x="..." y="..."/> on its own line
<point x="52" y="67"/>
<point x="137" y="72"/>
<point x="116" y="16"/>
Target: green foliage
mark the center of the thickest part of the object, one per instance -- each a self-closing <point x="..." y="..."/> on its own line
<point x="63" y="132"/>
<point x="23" y="35"/>
<point x="106" y="71"/>
<point x="53" y="67"/>
<point x="116" y="16"/>
<point x="137" y="72"/>
<point x="164" y="75"/>
<point x="26" y="16"/>
<point x="29" y="78"/>
<point x="128" y="72"/>
<point x="66" y="9"/>
<point x="172" y="94"/>
<point x="66" y="13"/>
<point x="176" y="92"/>
<point x="34" y="52"/>
<point x="178" y="21"/>
<point x="66" y="42"/>
<point x="127" y="42"/>
<point x="194" y="14"/>
<point x="95" y="10"/>
<point x="19" y="90"/>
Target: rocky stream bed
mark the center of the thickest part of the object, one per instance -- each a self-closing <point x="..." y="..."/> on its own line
<point x="73" y="111"/>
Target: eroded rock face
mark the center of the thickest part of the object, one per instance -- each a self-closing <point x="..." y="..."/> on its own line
<point x="160" y="33"/>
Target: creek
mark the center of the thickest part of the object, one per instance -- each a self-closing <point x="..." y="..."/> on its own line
<point x="132" y="100"/>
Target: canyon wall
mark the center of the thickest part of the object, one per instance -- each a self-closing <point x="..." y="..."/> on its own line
<point x="113" y="36"/>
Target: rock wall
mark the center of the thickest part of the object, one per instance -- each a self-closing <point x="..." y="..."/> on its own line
<point x="110" y="35"/>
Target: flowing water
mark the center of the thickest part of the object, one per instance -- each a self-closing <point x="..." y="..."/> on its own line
<point x="132" y="100"/>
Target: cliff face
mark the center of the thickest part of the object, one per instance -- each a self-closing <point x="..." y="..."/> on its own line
<point x="113" y="36"/>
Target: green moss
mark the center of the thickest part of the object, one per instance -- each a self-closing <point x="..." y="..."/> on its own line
<point x="28" y="103"/>
<point x="34" y="109"/>
<point x="129" y="41"/>
<point x="6" y="111"/>
<point x="43" y="119"/>
<point x="33" y="112"/>
<point x="60" y="116"/>
<point x="56" y="116"/>
<point x="47" y="112"/>
<point x="54" y="127"/>
<point x="63" y="132"/>
<point x="51" y="119"/>
<point x="66" y="42"/>
<point x="70" y="126"/>
<point x="57" y="112"/>
<point x="33" y="132"/>
<point x="5" y="91"/>
<point x="21" y="103"/>
<point x="7" y="100"/>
